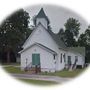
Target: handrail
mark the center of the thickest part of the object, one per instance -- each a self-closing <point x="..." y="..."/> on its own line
<point x="26" y="68"/>
<point x="74" y="64"/>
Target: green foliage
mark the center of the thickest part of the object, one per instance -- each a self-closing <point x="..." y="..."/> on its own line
<point x="69" y="35"/>
<point x="61" y="33"/>
<point x="14" y="30"/>
<point x="13" y="69"/>
<point x="87" y="33"/>
<point x="84" y="40"/>
<point x="69" y="39"/>
<point x="65" y="73"/>
<point x="72" y="27"/>
<point x="38" y="82"/>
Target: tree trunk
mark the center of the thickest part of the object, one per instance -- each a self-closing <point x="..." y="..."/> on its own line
<point x="8" y="56"/>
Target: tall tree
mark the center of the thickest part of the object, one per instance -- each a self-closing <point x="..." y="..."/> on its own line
<point x="72" y="27"/>
<point x="87" y="33"/>
<point x="61" y="33"/>
<point x="84" y="40"/>
<point x="13" y="31"/>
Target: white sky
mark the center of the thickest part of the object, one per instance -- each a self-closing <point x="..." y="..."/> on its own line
<point x="57" y="16"/>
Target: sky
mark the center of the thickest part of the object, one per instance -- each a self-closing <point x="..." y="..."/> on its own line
<point x="57" y="16"/>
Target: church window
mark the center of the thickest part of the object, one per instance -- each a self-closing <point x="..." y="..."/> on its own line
<point x="64" y="56"/>
<point x="61" y="58"/>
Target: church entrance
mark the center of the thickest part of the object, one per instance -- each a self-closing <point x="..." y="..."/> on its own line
<point x="36" y="62"/>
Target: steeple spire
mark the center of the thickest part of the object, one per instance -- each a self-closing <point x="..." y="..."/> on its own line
<point x="41" y="15"/>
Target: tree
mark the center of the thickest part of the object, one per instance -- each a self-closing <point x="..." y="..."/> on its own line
<point x="87" y="33"/>
<point x="13" y="31"/>
<point x="61" y="34"/>
<point x="84" y="41"/>
<point x="72" y="27"/>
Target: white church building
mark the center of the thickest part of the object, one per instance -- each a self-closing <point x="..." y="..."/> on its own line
<point x="44" y="49"/>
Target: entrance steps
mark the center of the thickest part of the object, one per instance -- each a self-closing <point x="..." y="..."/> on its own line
<point x="33" y="70"/>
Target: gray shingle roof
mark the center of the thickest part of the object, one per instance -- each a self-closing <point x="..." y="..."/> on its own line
<point x="80" y="50"/>
<point x="57" y="39"/>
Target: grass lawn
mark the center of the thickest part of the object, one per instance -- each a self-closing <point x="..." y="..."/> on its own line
<point x="13" y="69"/>
<point x="65" y="73"/>
<point x="16" y="70"/>
<point x="38" y="82"/>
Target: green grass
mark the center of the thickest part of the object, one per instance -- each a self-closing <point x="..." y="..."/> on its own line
<point x="16" y="70"/>
<point x="65" y="73"/>
<point x="12" y="69"/>
<point x="38" y="82"/>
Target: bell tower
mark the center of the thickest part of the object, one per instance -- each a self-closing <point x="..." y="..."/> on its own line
<point x="41" y="18"/>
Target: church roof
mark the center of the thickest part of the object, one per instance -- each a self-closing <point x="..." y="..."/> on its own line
<point x="80" y="50"/>
<point x="42" y="14"/>
<point x="57" y="39"/>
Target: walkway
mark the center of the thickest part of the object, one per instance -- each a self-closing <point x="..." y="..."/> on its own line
<point x="42" y="77"/>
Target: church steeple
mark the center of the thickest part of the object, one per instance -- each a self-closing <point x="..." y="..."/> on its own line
<point x="41" y="18"/>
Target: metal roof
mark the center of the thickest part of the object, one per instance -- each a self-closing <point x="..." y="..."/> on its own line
<point x="80" y="50"/>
